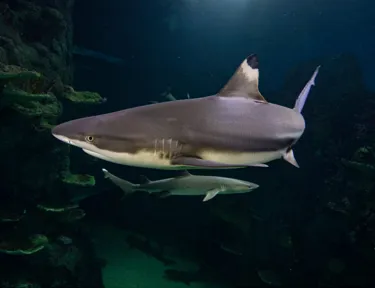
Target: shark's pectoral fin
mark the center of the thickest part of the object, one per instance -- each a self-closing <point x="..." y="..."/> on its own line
<point x="197" y="162"/>
<point x="245" y="81"/>
<point x="289" y="157"/>
<point x="124" y="185"/>
<point x="211" y="194"/>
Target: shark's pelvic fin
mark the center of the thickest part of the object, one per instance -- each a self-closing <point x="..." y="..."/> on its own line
<point x="196" y="162"/>
<point x="244" y="81"/>
<point x="211" y="194"/>
<point x="289" y="157"/>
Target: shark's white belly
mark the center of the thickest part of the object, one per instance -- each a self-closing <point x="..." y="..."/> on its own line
<point x="241" y="158"/>
<point x="143" y="159"/>
<point x="147" y="159"/>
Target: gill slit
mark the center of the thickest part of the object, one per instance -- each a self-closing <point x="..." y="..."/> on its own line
<point x="167" y="150"/>
<point x="155" y="146"/>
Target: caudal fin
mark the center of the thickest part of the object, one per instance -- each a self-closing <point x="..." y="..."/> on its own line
<point x="124" y="185"/>
<point x="300" y="102"/>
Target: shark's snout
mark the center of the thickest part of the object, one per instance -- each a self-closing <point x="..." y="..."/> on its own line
<point x="72" y="131"/>
<point x="62" y="138"/>
<point x="62" y="133"/>
<point x="64" y="130"/>
<point x="74" y="128"/>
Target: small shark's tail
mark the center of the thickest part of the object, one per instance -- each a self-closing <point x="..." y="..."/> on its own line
<point x="298" y="106"/>
<point x="300" y="102"/>
<point x="124" y="185"/>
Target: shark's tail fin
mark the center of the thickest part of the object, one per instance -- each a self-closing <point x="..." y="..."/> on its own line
<point x="300" y="102"/>
<point x="298" y="106"/>
<point x="124" y="185"/>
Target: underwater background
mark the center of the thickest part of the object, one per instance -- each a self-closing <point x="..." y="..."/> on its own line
<point x="63" y="225"/>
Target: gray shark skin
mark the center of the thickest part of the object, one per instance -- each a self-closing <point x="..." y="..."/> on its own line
<point x="186" y="185"/>
<point x="235" y="128"/>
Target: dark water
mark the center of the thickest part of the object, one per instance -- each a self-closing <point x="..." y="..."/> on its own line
<point x="307" y="227"/>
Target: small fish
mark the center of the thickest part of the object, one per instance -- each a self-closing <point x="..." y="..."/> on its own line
<point x="65" y="239"/>
<point x="170" y="97"/>
<point x="186" y="184"/>
<point x="270" y="277"/>
<point x="167" y="94"/>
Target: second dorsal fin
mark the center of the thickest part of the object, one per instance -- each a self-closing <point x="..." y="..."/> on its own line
<point x="143" y="179"/>
<point x="244" y="81"/>
<point x="184" y="173"/>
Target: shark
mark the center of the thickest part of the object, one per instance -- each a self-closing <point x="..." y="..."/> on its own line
<point x="185" y="184"/>
<point x="235" y="128"/>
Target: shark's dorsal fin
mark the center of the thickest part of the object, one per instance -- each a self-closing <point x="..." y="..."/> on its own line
<point x="143" y="179"/>
<point x="184" y="173"/>
<point x="244" y="81"/>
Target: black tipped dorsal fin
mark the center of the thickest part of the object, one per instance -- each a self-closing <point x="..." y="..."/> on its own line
<point x="184" y="173"/>
<point x="244" y="81"/>
<point x="143" y="179"/>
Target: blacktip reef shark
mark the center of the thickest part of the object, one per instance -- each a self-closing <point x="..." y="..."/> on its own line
<point x="186" y="185"/>
<point x="235" y="128"/>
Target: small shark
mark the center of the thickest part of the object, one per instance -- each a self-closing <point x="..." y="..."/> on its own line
<point x="97" y="55"/>
<point x="186" y="185"/>
<point x="235" y="128"/>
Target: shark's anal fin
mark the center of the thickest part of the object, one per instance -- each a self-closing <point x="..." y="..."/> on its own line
<point x="289" y="157"/>
<point x="196" y="162"/>
<point x="211" y="194"/>
<point x="245" y="81"/>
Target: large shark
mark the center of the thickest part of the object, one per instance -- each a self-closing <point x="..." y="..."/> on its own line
<point x="235" y="128"/>
<point x="186" y="184"/>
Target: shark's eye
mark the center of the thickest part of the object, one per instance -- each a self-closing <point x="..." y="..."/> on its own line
<point x="89" y="138"/>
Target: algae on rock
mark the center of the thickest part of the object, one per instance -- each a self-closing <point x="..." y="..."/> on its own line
<point x="25" y="92"/>
<point x="19" y="245"/>
<point x="67" y="177"/>
<point x="85" y="97"/>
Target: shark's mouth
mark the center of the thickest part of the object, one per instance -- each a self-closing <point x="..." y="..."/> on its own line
<point x="99" y="156"/>
<point x="63" y="139"/>
<point x="92" y="153"/>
